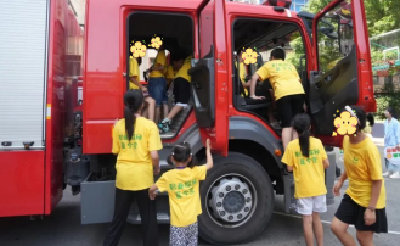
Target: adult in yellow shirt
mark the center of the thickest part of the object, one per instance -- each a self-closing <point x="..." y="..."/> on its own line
<point x="136" y="141"/>
<point x="157" y="85"/>
<point x="307" y="158"/>
<point x="288" y="90"/>
<point x="363" y="204"/>
<point x="181" y="89"/>
<point x="182" y="185"/>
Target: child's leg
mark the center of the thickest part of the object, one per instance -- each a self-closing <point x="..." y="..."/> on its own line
<point x="192" y="235"/>
<point x="175" y="110"/>
<point x="177" y="236"/>
<point x="308" y="230"/>
<point x="150" y="108"/>
<point x="317" y="226"/>
<point x="319" y="206"/>
<point x="304" y="207"/>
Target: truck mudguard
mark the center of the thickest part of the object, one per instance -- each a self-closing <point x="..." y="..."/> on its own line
<point x="249" y="129"/>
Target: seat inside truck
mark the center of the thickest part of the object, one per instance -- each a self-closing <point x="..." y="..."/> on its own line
<point x="176" y="32"/>
<point x="262" y="36"/>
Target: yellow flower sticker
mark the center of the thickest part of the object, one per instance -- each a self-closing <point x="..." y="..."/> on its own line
<point x="156" y="42"/>
<point x="138" y="49"/>
<point x="250" y="56"/>
<point x="345" y="124"/>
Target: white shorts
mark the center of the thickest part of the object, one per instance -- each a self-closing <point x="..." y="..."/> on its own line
<point x="308" y="205"/>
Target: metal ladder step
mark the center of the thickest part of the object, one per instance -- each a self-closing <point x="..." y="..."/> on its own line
<point x="162" y="218"/>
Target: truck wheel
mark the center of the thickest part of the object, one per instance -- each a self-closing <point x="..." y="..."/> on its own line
<point x="237" y="200"/>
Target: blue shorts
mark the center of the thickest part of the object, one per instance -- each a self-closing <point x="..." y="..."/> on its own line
<point x="157" y="88"/>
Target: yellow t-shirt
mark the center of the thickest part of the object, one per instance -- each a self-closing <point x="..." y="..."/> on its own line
<point x="160" y="61"/>
<point x="362" y="163"/>
<point x="169" y="73"/>
<point x="134" y="164"/>
<point x="183" y="71"/>
<point x="308" y="173"/>
<point x="283" y="77"/>
<point x="134" y="71"/>
<point x="183" y="191"/>
<point x="243" y="75"/>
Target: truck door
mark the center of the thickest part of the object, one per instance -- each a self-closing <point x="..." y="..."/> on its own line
<point x="210" y="75"/>
<point x="341" y="71"/>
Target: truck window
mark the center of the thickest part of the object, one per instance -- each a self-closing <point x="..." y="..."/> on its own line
<point x="335" y="37"/>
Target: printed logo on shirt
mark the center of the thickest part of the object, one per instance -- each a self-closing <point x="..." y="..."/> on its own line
<point x="130" y="144"/>
<point x="282" y="67"/>
<point x="183" y="189"/>
<point x="312" y="159"/>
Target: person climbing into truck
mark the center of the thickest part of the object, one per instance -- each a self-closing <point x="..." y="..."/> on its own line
<point x="157" y="85"/>
<point x="181" y="89"/>
<point x="182" y="185"/>
<point x="363" y="204"/>
<point x="288" y="91"/>
<point x="307" y="159"/>
<point x="136" y="142"/>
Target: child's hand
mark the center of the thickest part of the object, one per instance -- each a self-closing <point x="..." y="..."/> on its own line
<point x="208" y="145"/>
<point x="152" y="194"/>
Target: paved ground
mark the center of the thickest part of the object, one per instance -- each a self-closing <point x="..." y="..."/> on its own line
<point x="63" y="227"/>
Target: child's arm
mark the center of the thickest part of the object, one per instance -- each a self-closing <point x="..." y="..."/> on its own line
<point x="210" y="162"/>
<point x="325" y="163"/>
<point x="289" y="168"/>
<point x="153" y="191"/>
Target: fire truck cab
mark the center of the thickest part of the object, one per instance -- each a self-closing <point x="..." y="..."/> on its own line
<point x="329" y="49"/>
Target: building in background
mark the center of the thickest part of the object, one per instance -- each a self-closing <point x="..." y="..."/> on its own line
<point x="299" y="5"/>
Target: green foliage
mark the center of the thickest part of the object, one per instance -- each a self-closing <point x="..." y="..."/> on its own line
<point x="382" y="15"/>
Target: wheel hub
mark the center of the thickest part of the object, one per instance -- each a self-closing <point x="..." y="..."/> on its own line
<point x="231" y="200"/>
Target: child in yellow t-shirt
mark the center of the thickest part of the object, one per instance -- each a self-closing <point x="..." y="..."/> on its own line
<point x="307" y="158"/>
<point x="182" y="185"/>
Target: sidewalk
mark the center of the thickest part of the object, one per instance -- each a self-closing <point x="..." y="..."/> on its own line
<point x="377" y="141"/>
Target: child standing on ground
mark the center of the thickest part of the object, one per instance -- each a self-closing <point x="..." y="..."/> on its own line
<point x="307" y="158"/>
<point x="182" y="184"/>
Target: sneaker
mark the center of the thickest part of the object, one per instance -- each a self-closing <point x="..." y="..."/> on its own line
<point x="165" y="125"/>
<point x="395" y="175"/>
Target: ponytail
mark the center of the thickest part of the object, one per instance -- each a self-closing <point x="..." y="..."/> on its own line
<point x="129" y="122"/>
<point x="301" y="124"/>
<point x="133" y="100"/>
<point x="304" y="142"/>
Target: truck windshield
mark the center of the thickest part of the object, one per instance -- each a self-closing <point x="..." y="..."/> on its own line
<point x="335" y="37"/>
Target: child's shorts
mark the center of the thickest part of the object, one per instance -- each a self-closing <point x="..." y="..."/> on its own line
<point x="181" y="91"/>
<point x="308" y="205"/>
<point x="157" y="88"/>
<point x="183" y="236"/>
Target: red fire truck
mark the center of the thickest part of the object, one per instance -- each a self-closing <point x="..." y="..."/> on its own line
<point x="49" y="140"/>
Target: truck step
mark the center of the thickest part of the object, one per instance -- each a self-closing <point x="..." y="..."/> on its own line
<point x="162" y="218"/>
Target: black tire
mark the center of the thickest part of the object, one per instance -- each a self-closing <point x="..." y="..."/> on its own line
<point x="252" y="170"/>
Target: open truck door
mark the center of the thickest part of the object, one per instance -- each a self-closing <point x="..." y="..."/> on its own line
<point x="342" y="73"/>
<point x="209" y="75"/>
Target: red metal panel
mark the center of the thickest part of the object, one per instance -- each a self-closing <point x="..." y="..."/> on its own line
<point x="54" y="122"/>
<point x="104" y="84"/>
<point x="22" y="183"/>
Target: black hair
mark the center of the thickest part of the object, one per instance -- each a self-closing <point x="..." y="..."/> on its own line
<point x="179" y="55"/>
<point x="278" y="54"/>
<point x="301" y="123"/>
<point x="133" y="100"/>
<point x="181" y="153"/>
<point x="362" y="118"/>
<point x="139" y="60"/>
<point x="392" y="112"/>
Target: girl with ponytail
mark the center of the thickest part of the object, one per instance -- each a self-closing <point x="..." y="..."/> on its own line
<point x="136" y="141"/>
<point x="307" y="159"/>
